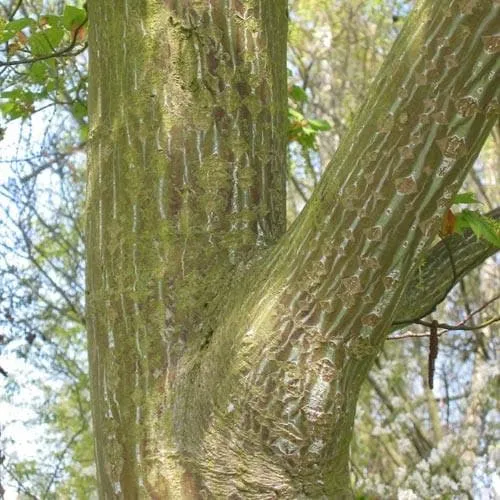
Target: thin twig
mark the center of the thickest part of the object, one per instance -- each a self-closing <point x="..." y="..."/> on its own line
<point x="297" y="186"/>
<point x="460" y="326"/>
<point x="61" y="53"/>
<point x="14" y="11"/>
<point x="484" y="306"/>
<point x="444" y="328"/>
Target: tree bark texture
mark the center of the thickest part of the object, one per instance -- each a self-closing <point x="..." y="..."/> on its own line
<point x="226" y="355"/>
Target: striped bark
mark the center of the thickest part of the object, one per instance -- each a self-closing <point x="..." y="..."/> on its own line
<point x="226" y="354"/>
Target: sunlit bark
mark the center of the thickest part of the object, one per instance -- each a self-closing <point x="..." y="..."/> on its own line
<point x="226" y="357"/>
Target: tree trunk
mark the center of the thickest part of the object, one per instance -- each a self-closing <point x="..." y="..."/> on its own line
<point x="226" y="355"/>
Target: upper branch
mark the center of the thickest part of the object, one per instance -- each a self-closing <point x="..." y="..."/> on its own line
<point x="382" y="199"/>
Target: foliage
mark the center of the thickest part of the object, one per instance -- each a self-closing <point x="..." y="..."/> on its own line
<point x="303" y="130"/>
<point x="43" y="82"/>
<point x="480" y="224"/>
<point x="38" y="53"/>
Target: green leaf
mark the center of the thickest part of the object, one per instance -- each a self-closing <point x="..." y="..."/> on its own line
<point x="11" y="29"/>
<point x="466" y="198"/>
<point x="51" y="84"/>
<point x="19" y="24"/>
<point x="7" y="107"/>
<point x="482" y="226"/>
<point x="73" y="16"/>
<point x="12" y="110"/>
<point x="298" y="94"/>
<point x="43" y="43"/>
<point x="53" y="21"/>
<point x="295" y="114"/>
<point x="319" y="125"/>
<point x="11" y="94"/>
<point x="308" y="141"/>
<point x="38" y="72"/>
<point x="17" y="102"/>
<point x="54" y="36"/>
<point x="79" y="110"/>
<point x="40" y="45"/>
<point x="18" y="95"/>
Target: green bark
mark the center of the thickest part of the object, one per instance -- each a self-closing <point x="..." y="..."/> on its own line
<point x="226" y="357"/>
<point x="186" y="181"/>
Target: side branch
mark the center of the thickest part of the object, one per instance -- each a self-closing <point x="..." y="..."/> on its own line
<point x="432" y="281"/>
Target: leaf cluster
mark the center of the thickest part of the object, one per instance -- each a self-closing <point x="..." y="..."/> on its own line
<point x="301" y="129"/>
<point x="481" y="225"/>
<point x="37" y="52"/>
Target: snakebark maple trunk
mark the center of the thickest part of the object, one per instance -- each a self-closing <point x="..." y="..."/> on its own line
<point x="226" y="355"/>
